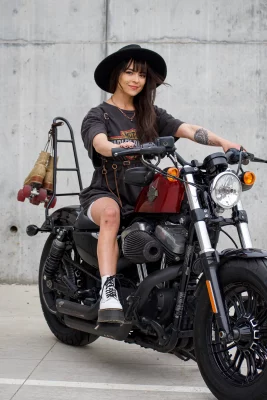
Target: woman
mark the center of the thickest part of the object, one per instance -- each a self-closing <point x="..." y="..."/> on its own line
<point x="128" y="118"/>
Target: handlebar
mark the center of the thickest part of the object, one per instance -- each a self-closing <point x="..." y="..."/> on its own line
<point x="233" y="157"/>
<point x="142" y="150"/>
<point x="165" y="146"/>
<point x="150" y="151"/>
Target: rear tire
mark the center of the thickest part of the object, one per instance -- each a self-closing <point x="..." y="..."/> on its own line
<point x="63" y="333"/>
<point x="228" y="377"/>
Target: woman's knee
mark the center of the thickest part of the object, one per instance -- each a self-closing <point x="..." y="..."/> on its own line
<point x="105" y="209"/>
<point x="110" y="216"/>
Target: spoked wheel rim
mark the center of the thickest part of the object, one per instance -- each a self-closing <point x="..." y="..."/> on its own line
<point x="244" y="360"/>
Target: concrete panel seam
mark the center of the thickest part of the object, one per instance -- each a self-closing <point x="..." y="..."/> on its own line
<point x="106" y="27"/>
<point x="23" y="42"/>
<point x="104" y="95"/>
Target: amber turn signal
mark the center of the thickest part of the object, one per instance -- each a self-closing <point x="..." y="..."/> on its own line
<point x="249" y="178"/>
<point x="212" y="298"/>
<point x="174" y="172"/>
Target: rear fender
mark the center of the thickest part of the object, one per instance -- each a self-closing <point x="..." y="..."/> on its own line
<point x="63" y="217"/>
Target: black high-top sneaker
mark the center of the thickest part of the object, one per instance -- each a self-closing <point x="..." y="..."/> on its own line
<point x="110" y="309"/>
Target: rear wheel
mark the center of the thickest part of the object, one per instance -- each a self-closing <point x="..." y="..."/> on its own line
<point x="48" y="299"/>
<point x="238" y="369"/>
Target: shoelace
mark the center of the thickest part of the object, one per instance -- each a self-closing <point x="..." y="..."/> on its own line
<point x="110" y="287"/>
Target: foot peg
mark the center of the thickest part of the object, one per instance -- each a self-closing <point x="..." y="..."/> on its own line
<point x="111" y="316"/>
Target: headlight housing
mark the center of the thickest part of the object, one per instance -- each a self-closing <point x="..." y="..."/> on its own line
<point x="226" y="189"/>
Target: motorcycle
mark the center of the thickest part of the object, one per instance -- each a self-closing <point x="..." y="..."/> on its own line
<point x="180" y="295"/>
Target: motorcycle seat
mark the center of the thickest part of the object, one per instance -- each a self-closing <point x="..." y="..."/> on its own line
<point x="83" y="222"/>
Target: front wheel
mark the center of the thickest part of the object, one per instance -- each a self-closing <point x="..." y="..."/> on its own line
<point x="237" y="370"/>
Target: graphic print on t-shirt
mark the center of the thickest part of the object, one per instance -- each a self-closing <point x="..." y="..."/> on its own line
<point x="125" y="136"/>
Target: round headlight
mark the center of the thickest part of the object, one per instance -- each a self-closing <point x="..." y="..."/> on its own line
<point x="226" y="189"/>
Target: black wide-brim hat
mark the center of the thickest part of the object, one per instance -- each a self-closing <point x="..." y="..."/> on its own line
<point x="133" y="51"/>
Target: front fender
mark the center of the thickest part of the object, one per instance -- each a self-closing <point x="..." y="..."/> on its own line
<point x="227" y="254"/>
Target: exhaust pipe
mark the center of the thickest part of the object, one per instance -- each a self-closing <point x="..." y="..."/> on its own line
<point x="154" y="279"/>
<point x="77" y="310"/>
<point x="113" y="331"/>
<point x="91" y="313"/>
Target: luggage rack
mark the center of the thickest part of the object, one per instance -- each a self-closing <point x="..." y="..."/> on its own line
<point x="59" y="121"/>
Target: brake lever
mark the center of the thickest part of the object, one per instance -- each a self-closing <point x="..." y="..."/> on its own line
<point x="146" y="161"/>
<point x="255" y="159"/>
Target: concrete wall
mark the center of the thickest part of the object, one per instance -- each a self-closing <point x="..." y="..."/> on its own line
<point x="216" y="54"/>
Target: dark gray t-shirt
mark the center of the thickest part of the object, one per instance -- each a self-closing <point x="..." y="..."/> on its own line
<point x="109" y="120"/>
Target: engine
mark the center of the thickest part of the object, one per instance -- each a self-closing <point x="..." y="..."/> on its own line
<point x="142" y="243"/>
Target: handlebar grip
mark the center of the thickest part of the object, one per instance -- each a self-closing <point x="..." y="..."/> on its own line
<point x="119" y="152"/>
<point x="153" y="150"/>
<point x="148" y="150"/>
<point x="233" y="156"/>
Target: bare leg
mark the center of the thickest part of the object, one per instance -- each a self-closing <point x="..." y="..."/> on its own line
<point x="106" y="214"/>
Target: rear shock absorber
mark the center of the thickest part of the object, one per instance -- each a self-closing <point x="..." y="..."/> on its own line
<point x="55" y="256"/>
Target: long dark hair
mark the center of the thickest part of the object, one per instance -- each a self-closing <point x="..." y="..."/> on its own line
<point x="144" y="101"/>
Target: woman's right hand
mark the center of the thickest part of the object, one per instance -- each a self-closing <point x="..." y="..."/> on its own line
<point x="127" y="145"/>
<point x="104" y="147"/>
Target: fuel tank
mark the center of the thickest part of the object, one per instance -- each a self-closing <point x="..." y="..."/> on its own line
<point x="161" y="196"/>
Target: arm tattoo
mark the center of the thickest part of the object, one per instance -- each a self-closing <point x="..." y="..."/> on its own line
<point x="201" y="136"/>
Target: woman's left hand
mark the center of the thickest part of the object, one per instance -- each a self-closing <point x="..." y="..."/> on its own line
<point x="226" y="145"/>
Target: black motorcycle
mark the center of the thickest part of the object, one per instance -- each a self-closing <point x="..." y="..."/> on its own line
<point x="179" y="294"/>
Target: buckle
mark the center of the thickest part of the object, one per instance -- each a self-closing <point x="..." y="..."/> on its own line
<point x="126" y="162"/>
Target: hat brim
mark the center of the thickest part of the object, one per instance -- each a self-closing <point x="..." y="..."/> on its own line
<point x="104" y="69"/>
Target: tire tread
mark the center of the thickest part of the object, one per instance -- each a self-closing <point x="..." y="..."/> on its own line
<point x="255" y="271"/>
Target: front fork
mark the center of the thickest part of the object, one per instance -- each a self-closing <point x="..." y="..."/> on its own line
<point x="242" y="226"/>
<point x="209" y="257"/>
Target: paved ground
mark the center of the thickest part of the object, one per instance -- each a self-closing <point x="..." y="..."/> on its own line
<point x="35" y="366"/>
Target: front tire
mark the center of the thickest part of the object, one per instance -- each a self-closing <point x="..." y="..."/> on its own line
<point x="237" y="370"/>
<point x="63" y="333"/>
